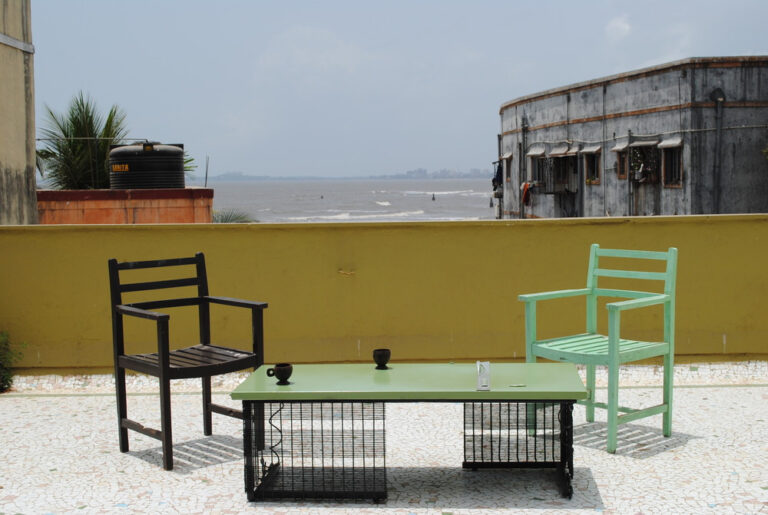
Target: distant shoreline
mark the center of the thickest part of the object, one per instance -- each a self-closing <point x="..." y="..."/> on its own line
<point x="230" y="178"/>
<point x="237" y="177"/>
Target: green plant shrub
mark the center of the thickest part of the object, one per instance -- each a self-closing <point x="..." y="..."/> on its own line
<point x="8" y="355"/>
<point x="231" y="216"/>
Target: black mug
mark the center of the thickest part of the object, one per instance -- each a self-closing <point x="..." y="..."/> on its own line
<point x="381" y="357"/>
<point x="282" y="371"/>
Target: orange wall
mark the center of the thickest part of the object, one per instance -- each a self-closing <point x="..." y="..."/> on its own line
<point x="188" y="205"/>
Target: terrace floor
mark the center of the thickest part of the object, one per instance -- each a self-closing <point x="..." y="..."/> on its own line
<point x="59" y="453"/>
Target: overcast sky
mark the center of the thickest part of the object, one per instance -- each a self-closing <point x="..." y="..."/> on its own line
<point x="332" y="88"/>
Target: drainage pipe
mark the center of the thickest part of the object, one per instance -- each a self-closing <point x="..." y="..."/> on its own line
<point x="718" y="96"/>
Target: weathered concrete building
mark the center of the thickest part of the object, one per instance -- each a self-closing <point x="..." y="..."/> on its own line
<point x="680" y="138"/>
<point x="17" y="115"/>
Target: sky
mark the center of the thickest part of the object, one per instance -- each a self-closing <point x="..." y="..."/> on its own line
<point x="354" y="88"/>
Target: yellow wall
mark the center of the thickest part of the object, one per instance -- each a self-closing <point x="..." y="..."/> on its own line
<point x="426" y="290"/>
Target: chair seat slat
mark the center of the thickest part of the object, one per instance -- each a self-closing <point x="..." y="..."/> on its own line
<point x="567" y="340"/>
<point x="594" y="344"/>
<point x="190" y="357"/>
<point x="181" y="360"/>
<point x="586" y="346"/>
<point x="203" y="355"/>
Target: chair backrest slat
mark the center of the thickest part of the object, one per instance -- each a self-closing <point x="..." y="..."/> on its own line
<point x="636" y="254"/>
<point x="631" y="274"/>
<point x="159" y="285"/>
<point x="615" y="271"/>
<point x="134" y="265"/>
<point x="118" y="287"/>
<point x="167" y="303"/>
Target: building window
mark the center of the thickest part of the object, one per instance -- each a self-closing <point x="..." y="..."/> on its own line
<point x="645" y="164"/>
<point x="541" y="173"/>
<point x="673" y="170"/>
<point x="536" y="169"/>
<point x="621" y="165"/>
<point x="592" y="168"/>
<point x="561" y="173"/>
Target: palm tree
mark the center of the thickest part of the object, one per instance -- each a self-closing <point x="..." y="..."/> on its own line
<point x="76" y="144"/>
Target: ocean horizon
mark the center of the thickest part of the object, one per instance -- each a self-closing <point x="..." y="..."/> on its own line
<point x="351" y="199"/>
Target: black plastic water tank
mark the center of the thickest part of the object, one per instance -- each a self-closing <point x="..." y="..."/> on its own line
<point x="146" y="166"/>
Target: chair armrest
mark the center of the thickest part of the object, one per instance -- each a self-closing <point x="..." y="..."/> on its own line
<point x="638" y="303"/>
<point x="141" y="313"/>
<point x="257" y="321"/>
<point x="560" y="294"/>
<point x="161" y="321"/>
<point x="237" y="302"/>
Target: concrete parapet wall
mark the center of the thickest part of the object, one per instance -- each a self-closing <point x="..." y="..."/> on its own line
<point x="428" y="291"/>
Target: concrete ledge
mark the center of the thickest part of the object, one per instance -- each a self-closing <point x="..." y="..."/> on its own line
<point x="181" y="205"/>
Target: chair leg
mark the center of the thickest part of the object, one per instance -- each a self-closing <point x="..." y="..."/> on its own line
<point x="165" y="421"/>
<point x="122" y="408"/>
<point x="669" y="371"/>
<point x="207" y="418"/>
<point x="590" y="401"/>
<point x="530" y="407"/>
<point x="613" y="407"/>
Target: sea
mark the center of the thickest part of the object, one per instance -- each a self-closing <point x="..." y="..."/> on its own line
<point x="355" y="200"/>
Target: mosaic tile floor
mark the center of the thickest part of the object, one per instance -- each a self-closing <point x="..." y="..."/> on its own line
<point x="58" y="454"/>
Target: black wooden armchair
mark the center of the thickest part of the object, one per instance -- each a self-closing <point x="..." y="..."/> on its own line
<point x="201" y="360"/>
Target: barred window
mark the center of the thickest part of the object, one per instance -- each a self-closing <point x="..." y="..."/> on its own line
<point x="672" y="163"/>
<point x="560" y="171"/>
<point x="645" y="164"/>
<point x="542" y="171"/>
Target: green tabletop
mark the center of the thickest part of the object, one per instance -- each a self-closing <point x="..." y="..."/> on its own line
<point x="416" y="382"/>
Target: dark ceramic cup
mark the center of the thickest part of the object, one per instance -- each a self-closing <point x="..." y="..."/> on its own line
<point x="381" y="357"/>
<point x="282" y="371"/>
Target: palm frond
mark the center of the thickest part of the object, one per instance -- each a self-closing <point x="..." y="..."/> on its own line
<point x="75" y="148"/>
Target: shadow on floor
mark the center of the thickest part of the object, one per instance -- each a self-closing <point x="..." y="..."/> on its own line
<point x="633" y="441"/>
<point x="196" y="454"/>
<point x="453" y="488"/>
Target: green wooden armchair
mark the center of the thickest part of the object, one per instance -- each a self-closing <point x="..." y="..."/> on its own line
<point x="592" y="349"/>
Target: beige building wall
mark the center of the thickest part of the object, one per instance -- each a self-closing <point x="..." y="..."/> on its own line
<point x="18" y="203"/>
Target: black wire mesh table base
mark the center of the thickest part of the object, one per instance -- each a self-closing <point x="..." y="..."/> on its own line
<point x="336" y="450"/>
<point x="317" y="450"/>
<point x="520" y="435"/>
